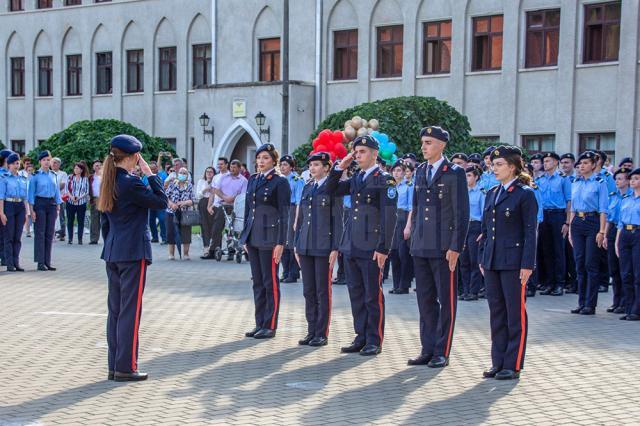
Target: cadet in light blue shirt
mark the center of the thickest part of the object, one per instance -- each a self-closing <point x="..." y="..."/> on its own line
<point x="470" y="274"/>
<point x="405" y="194"/>
<point x="4" y="154"/>
<point x="602" y="172"/>
<point x="13" y="186"/>
<point x="290" y="267"/>
<point x="628" y="244"/>
<point x="42" y="186"/>
<point x="13" y="194"/>
<point x="555" y="190"/>
<point x="400" y="257"/>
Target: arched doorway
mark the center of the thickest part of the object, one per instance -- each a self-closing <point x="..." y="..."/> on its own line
<point x="239" y="142"/>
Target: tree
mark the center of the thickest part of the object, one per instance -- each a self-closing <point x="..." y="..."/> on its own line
<point x="89" y="140"/>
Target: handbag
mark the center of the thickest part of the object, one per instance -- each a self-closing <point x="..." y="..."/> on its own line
<point x="189" y="218"/>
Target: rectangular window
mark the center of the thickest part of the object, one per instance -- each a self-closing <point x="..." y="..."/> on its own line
<point x="135" y="71"/>
<point x="104" y="73"/>
<point x="436" y="54"/>
<point x="269" y="59"/>
<point x="345" y="55"/>
<point x="201" y="65"/>
<point x="601" y="32"/>
<point x="605" y="142"/>
<point x="17" y="76"/>
<point x="74" y="75"/>
<point x="172" y="142"/>
<point x="535" y="144"/>
<point x="45" y="4"/>
<point x="16" y="5"/>
<point x="45" y="76"/>
<point x="389" y="51"/>
<point x="167" y="69"/>
<point x="487" y="43"/>
<point x="543" y="38"/>
<point x="18" y="146"/>
<point x="72" y="2"/>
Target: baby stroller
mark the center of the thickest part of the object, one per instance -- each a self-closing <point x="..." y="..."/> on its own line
<point x="234" y="223"/>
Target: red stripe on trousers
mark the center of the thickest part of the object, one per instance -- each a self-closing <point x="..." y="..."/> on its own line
<point x="451" y="301"/>
<point x="381" y="306"/>
<point x="329" y="289"/>
<point x="274" y="276"/>
<point x="523" y="324"/>
<point x="134" y="361"/>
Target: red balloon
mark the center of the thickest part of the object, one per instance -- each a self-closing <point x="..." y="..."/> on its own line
<point x="325" y="135"/>
<point x="338" y="136"/>
<point x="332" y="155"/>
<point x="315" y="143"/>
<point x="340" y="150"/>
<point x="321" y="148"/>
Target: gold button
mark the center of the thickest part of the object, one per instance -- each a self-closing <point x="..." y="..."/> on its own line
<point x="494" y="219"/>
<point x="308" y="223"/>
<point x="517" y="244"/>
<point x="358" y="195"/>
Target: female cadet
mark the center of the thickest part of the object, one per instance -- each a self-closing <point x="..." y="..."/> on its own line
<point x="263" y="237"/>
<point x="469" y="271"/>
<point x="507" y="259"/>
<point x="401" y="260"/>
<point x="13" y="205"/>
<point x="628" y="248"/>
<point x="125" y="203"/>
<point x="316" y="248"/>
<point x="587" y="232"/>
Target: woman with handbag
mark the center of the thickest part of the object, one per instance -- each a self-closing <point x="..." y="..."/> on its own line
<point x="179" y="218"/>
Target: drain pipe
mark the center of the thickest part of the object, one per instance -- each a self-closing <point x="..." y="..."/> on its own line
<point x="318" y="88"/>
<point x="214" y="40"/>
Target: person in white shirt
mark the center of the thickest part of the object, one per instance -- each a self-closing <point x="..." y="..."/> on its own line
<point x="204" y="191"/>
<point x="60" y="177"/>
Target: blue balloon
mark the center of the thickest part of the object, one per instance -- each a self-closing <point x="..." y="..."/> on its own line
<point x="392" y="147"/>
<point x="376" y="134"/>
<point x="383" y="139"/>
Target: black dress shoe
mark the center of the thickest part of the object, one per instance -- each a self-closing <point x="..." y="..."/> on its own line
<point x="319" y="341"/>
<point x="306" y="340"/>
<point x="611" y="309"/>
<point x="576" y="310"/>
<point x="471" y="297"/>
<point x="50" y="268"/>
<point x="438" y="362"/>
<point x="588" y="311"/>
<point x="339" y="282"/>
<point x="420" y="360"/>
<point x="19" y="269"/>
<point x="208" y="256"/>
<point x="252" y="332"/>
<point x="623" y="318"/>
<point x="154" y="240"/>
<point x="41" y="267"/>
<point x="558" y="291"/>
<point x="11" y="269"/>
<point x="80" y="242"/>
<point x="531" y="292"/>
<point x="352" y="348"/>
<point x="69" y="242"/>
<point x="370" y="350"/>
<point x="130" y="377"/>
<point x="111" y="375"/>
<point x="546" y="291"/>
<point x="462" y="296"/>
<point x="289" y="280"/>
<point x="491" y="373"/>
<point x="633" y="317"/>
<point x="265" y="333"/>
<point x="571" y="290"/>
<point x="619" y="310"/>
<point x="507" y="375"/>
<point x="93" y="243"/>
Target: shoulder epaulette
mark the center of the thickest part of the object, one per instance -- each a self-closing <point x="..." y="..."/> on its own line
<point x="625" y="195"/>
<point x="611" y="194"/>
<point x="599" y="179"/>
<point x="484" y="191"/>
<point x="606" y="173"/>
<point x="494" y="188"/>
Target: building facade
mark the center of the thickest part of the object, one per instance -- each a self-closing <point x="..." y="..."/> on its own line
<point x="546" y="74"/>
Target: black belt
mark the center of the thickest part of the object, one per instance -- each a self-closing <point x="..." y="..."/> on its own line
<point x="554" y="210"/>
<point x="631" y="227"/>
<point x="474" y="221"/>
<point x="585" y="214"/>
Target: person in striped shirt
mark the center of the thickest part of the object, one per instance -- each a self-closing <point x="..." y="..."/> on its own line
<point x="77" y="197"/>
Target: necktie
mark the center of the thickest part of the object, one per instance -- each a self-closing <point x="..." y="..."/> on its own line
<point x="315" y="188"/>
<point x="498" y="196"/>
<point x="429" y="177"/>
<point x="360" y="179"/>
<point x="260" y="178"/>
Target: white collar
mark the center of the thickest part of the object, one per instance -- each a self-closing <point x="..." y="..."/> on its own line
<point x="321" y="181"/>
<point x="505" y="187"/>
<point x="265" y="174"/>
<point x="437" y="164"/>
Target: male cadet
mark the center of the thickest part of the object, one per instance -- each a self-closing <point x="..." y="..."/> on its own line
<point x="488" y="179"/>
<point x="600" y="171"/>
<point x="555" y="189"/>
<point x="367" y="241"/>
<point x="290" y="268"/>
<point x="410" y="157"/>
<point x="475" y="158"/>
<point x="4" y="154"/>
<point x="460" y="159"/>
<point x="567" y="165"/>
<point x="437" y="226"/>
<point x="626" y="163"/>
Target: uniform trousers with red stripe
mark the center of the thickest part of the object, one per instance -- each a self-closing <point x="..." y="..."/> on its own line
<point x="508" y="316"/>
<point x="126" y="286"/>
<point x="367" y="300"/>
<point x="266" y="287"/>
<point x="316" y="288"/>
<point x="437" y="294"/>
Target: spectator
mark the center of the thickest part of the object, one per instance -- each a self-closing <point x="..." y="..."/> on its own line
<point x="157" y="217"/>
<point x="180" y="194"/>
<point x="94" y="191"/>
<point x="60" y="177"/>
<point x="203" y="191"/>
<point x="244" y="171"/>
<point x="26" y="163"/>
<point x="77" y="197"/>
<point x="178" y="163"/>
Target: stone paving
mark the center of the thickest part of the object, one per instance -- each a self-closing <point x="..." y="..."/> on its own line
<point x="579" y="370"/>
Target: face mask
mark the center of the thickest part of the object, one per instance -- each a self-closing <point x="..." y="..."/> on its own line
<point x="182" y="178"/>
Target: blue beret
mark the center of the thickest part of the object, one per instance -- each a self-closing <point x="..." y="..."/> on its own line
<point x="621" y="170"/>
<point x="368" y="141"/>
<point x="319" y="156"/>
<point x="411" y="156"/>
<point x="475" y="158"/>
<point x="505" y="151"/>
<point x="602" y="155"/>
<point x="461" y="156"/>
<point x="635" y="171"/>
<point x="44" y="154"/>
<point x="126" y="143"/>
<point x="587" y="155"/>
<point x="488" y="151"/>
<point x="568" y="155"/>
<point x="381" y="160"/>
<point x="12" y="158"/>
<point x="288" y="159"/>
<point x="625" y="160"/>
<point x="474" y="168"/>
<point x="267" y="147"/>
<point x="436" y="132"/>
<point x="536" y="157"/>
<point x="5" y="153"/>
<point x="551" y="154"/>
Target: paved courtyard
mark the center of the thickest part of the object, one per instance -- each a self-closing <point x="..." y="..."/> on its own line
<point x="579" y="370"/>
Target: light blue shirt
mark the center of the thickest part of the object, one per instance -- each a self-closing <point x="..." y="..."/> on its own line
<point x="613" y="210"/>
<point x="476" y="202"/>
<point x="3" y="172"/>
<point x="629" y="211"/>
<point x="346" y="201"/>
<point x="297" y="185"/>
<point x="13" y="187"/>
<point x="42" y="185"/>
<point x="589" y="195"/>
<point x="488" y="180"/>
<point x="405" y="194"/>
<point x="555" y="190"/>
<point x="608" y="179"/>
<point x="538" y="194"/>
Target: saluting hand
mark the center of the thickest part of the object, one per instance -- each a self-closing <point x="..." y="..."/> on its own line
<point x="144" y="167"/>
<point x="452" y="257"/>
<point x="346" y="161"/>
<point x="277" y="253"/>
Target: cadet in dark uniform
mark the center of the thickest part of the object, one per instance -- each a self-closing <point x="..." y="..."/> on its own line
<point x="588" y="221"/>
<point x="44" y="198"/>
<point x="290" y="267"/>
<point x="469" y="265"/>
<point x="264" y="235"/>
<point x="628" y="245"/>
<point x="401" y="261"/>
<point x="507" y="259"/>
<point x="13" y="204"/>
<point x="438" y="229"/>
<point x="125" y="203"/>
<point x="316" y="247"/>
<point x="367" y="240"/>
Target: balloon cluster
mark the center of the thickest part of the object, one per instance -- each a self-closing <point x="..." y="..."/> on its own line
<point x="331" y="142"/>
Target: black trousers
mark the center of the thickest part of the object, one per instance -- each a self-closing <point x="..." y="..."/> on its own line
<point x="437" y="294"/>
<point x="217" y="227"/>
<point x="570" y="262"/>
<point x="316" y="284"/>
<point x="401" y="266"/>
<point x="206" y="222"/>
<point x="508" y="316"/>
<point x="266" y="287"/>
<point x="630" y="269"/>
<point x="80" y="212"/>
<point x="614" y="266"/>
<point x="469" y="266"/>
<point x="126" y="286"/>
<point x="553" y="250"/>
<point x="364" y="281"/>
<point x="587" y="254"/>
<point x="46" y="215"/>
<point x="12" y="234"/>
<point x="290" y="267"/>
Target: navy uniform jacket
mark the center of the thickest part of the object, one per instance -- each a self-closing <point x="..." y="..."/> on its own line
<point x="440" y="213"/>
<point x="125" y="229"/>
<point x="318" y="221"/>
<point x="266" y="211"/>
<point x="373" y="212"/>
<point x="509" y="229"/>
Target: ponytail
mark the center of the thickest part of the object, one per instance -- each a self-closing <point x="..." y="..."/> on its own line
<point x="108" y="194"/>
<point x="524" y="178"/>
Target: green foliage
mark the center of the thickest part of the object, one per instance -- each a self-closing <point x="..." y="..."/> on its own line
<point x="402" y="118"/>
<point x="89" y="140"/>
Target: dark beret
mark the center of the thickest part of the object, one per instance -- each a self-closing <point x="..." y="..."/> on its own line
<point x="488" y="151"/>
<point x="635" y="171"/>
<point x="551" y="154"/>
<point x="460" y="155"/>
<point x="12" y="158"/>
<point x="475" y="158"/>
<point x="587" y="155"/>
<point x="44" y="154"/>
<point x="267" y="147"/>
<point x="568" y="155"/>
<point x="399" y="163"/>
<point x="288" y="159"/>
<point x="318" y="156"/>
<point x="625" y="160"/>
<point x="537" y="156"/>
<point x="436" y="132"/>
<point x="381" y="161"/>
<point x="368" y="141"/>
<point x="602" y="155"/>
<point x="411" y="156"/>
<point x="621" y="170"/>
<point x="126" y="143"/>
<point x="474" y="168"/>
<point x="5" y="153"/>
<point x="530" y="169"/>
<point x="505" y="151"/>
